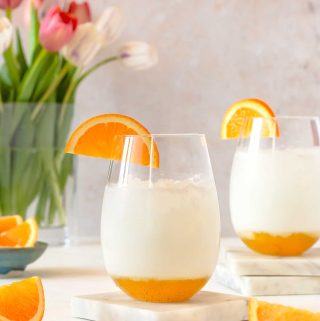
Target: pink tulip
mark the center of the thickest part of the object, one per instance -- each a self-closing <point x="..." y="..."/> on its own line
<point x="9" y="4"/>
<point x="57" y="29"/>
<point x="81" y="11"/>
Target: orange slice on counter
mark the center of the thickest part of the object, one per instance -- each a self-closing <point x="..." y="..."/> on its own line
<point x="23" y="235"/>
<point x="233" y="121"/>
<point x="103" y="136"/>
<point x="263" y="311"/>
<point x="8" y="222"/>
<point x="22" y="301"/>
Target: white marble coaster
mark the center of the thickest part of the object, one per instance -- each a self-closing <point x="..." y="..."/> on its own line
<point x="242" y="261"/>
<point x="267" y="285"/>
<point x="115" y="306"/>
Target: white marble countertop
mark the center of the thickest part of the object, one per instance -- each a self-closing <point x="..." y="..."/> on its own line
<point x="79" y="270"/>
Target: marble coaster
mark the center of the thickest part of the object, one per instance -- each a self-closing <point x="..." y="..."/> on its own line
<point x="116" y="306"/>
<point x="242" y="261"/>
<point x="267" y="285"/>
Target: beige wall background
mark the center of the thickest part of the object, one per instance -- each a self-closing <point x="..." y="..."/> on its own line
<point x="212" y="53"/>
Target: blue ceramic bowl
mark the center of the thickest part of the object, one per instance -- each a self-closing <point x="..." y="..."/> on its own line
<point x="17" y="259"/>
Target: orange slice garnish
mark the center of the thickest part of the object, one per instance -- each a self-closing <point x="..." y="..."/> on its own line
<point x="23" y="301"/>
<point x="23" y="235"/>
<point x="8" y="222"/>
<point x="263" y="311"/>
<point x="103" y="136"/>
<point x="233" y="122"/>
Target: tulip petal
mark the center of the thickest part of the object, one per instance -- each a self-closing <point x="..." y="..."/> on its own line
<point x="81" y="11"/>
<point x="57" y="29"/>
<point x="138" y="55"/>
<point x="9" y="4"/>
<point x="84" y="46"/>
<point x="6" y="33"/>
<point x="43" y="6"/>
<point x="110" y="24"/>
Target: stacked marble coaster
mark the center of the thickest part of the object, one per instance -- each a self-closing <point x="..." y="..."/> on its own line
<point x="116" y="306"/>
<point x="252" y="274"/>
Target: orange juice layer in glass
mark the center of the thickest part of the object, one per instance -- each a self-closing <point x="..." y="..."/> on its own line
<point x="160" y="290"/>
<point x="291" y="244"/>
<point x="162" y="243"/>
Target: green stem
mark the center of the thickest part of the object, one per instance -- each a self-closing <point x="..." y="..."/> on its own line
<point x="76" y="81"/>
<point x="70" y="90"/>
<point x="42" y="202"/>
<point x="12" y="65"/>
<point x="52" y="213"/>
<point x="67" y="99"/>
<point x="10" y="58"/>
<point x="95" y="67"/>
<point x="56" y="194"/>
<point x="28" y="81"/>
<point x="34" y="45"/>
<point x="9" y="13"/>
<point x="50" y="91"/>
<point x="1" y="102"/>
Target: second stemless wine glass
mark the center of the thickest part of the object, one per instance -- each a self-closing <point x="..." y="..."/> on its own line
<point x="160" y="222"/>
<point x="275" y="185"/>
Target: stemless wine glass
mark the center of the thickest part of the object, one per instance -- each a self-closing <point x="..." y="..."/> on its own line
<point x="160" y="224"/>
<point x="275" y="185"/>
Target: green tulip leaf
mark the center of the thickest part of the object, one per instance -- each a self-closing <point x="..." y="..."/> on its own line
<point x="34" y="43"/>
<point x="34" y="75"/>
<point x="47" y="79"/>
<point x="20" y="54"/>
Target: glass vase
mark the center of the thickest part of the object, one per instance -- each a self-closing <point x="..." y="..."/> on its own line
<point x="36" y="177"/>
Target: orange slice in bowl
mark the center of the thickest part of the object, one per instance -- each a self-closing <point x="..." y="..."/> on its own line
<point x="8" y="222"/>
<point x="263" y="311"/>
<point x="233" y="121"/>
<point x="103" y="136"/>
<point x="23" y="301"/>
<point x="23" y="235"/>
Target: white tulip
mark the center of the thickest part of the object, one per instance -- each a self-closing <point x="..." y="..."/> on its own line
<point x="6" y="33"/>
<point x="110" y="24"/>
<point x="138" y="55"/>
<point x="84" y="46"/>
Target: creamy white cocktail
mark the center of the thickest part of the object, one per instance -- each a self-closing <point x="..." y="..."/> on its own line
<point x="274" y="198"/>
<point x="160" y="240"/>
<point x="160" y="224"/>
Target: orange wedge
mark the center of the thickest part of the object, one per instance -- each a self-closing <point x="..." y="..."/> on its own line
<point x="22" y="301"/>
<point x="8" y="222"/>
<point x="23" y="235"/>
<point x="263" y="311"/>
<point x="103" y="136"/>
<point x="233" y="121"/>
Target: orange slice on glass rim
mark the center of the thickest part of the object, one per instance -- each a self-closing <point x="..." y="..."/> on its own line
<point x="23" y="235"/>
<point x="238" y="119"/>
<point x="23" y="301"/>
<point x="10" y="221"/>
<point x="103" y="136"/>
<point x="263" y="311"/>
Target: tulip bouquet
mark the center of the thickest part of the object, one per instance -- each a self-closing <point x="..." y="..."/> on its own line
<point x="37" y="94"/>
